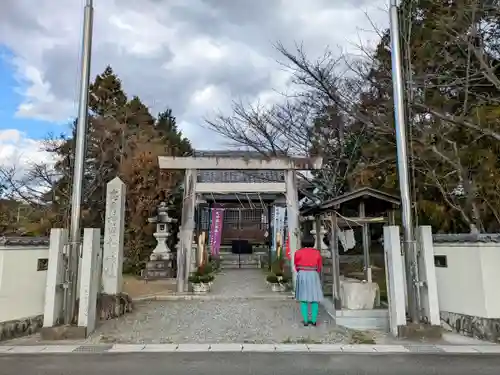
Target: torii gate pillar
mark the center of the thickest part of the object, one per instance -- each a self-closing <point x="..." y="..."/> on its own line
<point x="292" y="204"/>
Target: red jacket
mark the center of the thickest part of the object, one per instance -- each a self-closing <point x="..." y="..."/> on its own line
<point x="308" y="257"/>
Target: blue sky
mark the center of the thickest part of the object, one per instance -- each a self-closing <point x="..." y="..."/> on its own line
<point x="10" y="100"/>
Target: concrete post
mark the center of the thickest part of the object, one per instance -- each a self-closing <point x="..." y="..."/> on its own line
<point x="427" y="273"/>
<point x="90" y="283"/>
<point x="52" y="312"/>
<point x="395" y="279"/>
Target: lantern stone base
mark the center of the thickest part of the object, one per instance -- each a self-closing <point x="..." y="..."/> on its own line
<point x="159" y="269"/>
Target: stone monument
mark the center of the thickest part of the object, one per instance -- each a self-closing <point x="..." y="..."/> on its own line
<point x="325" y="250"/>
<point x="160" y="264"/>
<point x="114" y="229"/>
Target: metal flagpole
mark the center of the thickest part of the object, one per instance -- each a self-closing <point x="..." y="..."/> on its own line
<point x="402" y="158"/>
<point x="80" y="151"/>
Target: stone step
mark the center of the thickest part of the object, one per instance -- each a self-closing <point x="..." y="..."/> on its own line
<point x="364" y="324"/>
<point x="254" y="264"/>
<point x="242" y="259"/>
<point x="363" y="319"/>
<point x="236" y="258"/>
<point x="236" y="266"/>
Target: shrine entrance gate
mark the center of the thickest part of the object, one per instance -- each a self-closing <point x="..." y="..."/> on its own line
<point x="192" y="189"/>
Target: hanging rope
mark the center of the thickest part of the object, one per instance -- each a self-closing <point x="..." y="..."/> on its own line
<point x="264" y="208"/>
<point x="213" y="198"/>
<point x="249" y="201"/>
<point x="241" y="203"/>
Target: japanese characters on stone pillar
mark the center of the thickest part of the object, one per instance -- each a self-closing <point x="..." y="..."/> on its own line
<point x="113" y="237"/>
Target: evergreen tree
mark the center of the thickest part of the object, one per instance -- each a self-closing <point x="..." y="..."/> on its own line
<point x="124" y="140"/>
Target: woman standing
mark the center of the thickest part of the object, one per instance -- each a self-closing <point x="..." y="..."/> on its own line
<point x="308" y="290"/>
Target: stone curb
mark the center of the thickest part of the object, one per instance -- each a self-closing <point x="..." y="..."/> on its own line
<point x="254" y="348"/>
<point x="208" y="297"/>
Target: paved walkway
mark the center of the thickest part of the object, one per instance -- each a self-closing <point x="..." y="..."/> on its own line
<point x="241" y="283"/>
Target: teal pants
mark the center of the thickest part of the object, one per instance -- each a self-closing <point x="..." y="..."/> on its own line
<point x="304" y="309"/>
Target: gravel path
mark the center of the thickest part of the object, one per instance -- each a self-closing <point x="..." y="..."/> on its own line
<point x="249" y="313"/>
<point x="238" y="321"/>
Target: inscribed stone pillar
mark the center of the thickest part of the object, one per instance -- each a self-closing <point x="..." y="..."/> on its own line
<point x="427" y="273"/>
<point x="113" y="237"/>
<point x="292" y="203"/>
<point x="90" y="283"/>
<point x="52" y="311"/>
<point x="395" y="279"/>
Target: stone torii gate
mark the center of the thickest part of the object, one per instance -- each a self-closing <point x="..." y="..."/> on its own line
<point x="192" y="165"/>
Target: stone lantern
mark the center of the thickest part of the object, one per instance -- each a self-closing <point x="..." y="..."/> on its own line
<point x="320" y="243"/>
<point x="160" y="264"/>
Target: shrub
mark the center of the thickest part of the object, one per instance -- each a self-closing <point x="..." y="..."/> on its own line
<point x="215" y="262"/>
<point x="194" y="279"/>
<point x="273" y="279"/>
<point x="206" y="278"/>
<point x="287" y="271"/>
<point x="277" y="267"/>
<point x="204" y="269"/>
<point x="286" y="278"/>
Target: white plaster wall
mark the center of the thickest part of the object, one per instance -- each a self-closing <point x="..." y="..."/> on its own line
<point x="469" y="284"/>
<point x="490" y="262"/>
<point x="22" y="287"/>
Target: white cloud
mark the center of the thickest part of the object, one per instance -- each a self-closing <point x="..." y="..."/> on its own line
<point x="193" y="56"/>
<point x="17" y="150"/>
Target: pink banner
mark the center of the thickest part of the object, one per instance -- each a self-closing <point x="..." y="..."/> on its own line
<point x="216" y="230"/>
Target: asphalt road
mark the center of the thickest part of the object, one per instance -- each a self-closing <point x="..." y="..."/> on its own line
<point x="248" y="363"/>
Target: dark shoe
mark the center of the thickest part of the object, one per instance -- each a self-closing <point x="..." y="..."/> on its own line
<point x="306" y="324"/>
<point x="313" y="324"/>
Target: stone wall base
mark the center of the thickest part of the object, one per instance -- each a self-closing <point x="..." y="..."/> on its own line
<point x="113" y="306"/>
<point x="21" y="327"/>
<point x="473" y="326"/>
<point x="420" y="332"/>
<point x="65" y="332"/>
<point x="109" y="306"/>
